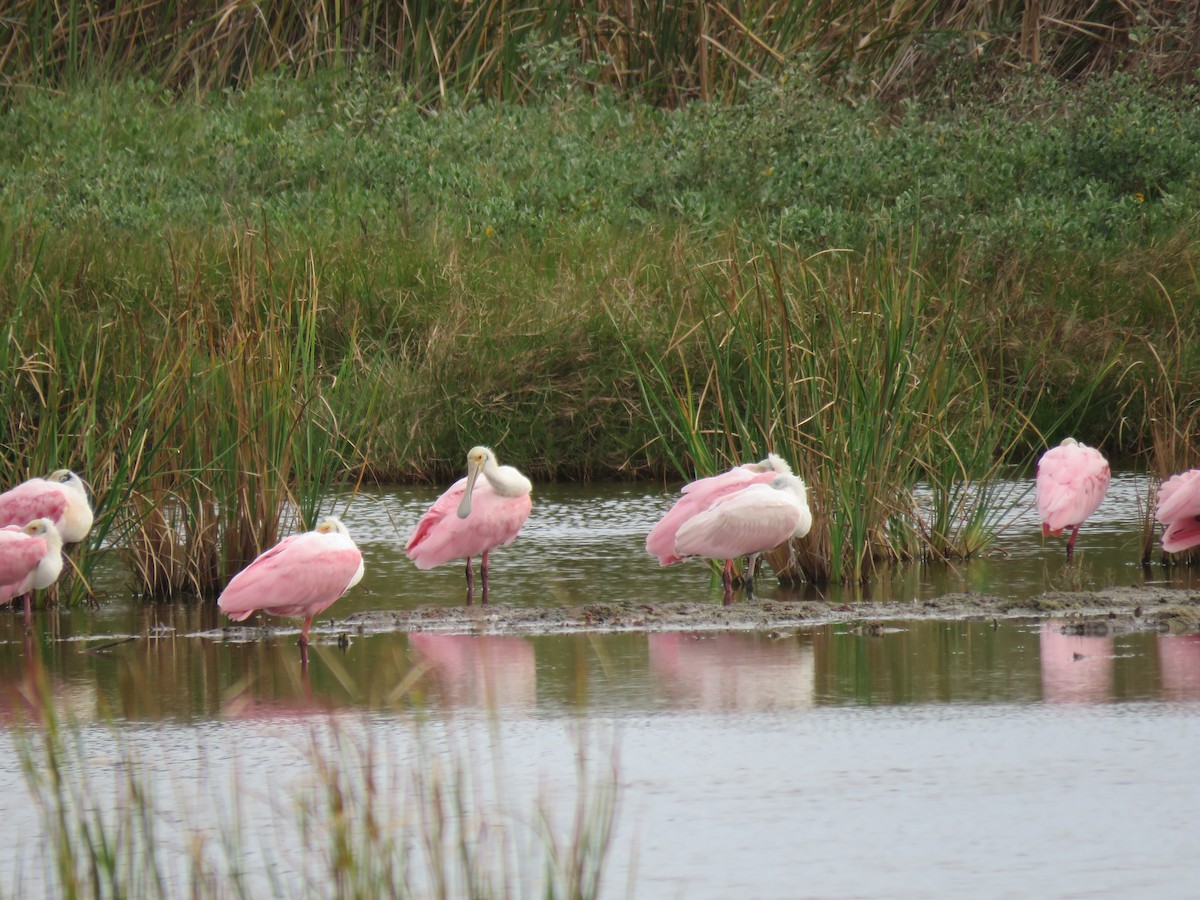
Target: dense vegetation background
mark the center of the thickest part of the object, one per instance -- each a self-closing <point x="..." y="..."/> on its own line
<point x="272" y="249"/>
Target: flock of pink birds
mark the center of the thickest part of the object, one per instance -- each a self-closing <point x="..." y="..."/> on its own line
<point x="748" y="510"/>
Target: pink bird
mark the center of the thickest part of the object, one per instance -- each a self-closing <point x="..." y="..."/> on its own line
<point x="302" y="575"/>
<point x="747" y="522"/>
<point x="1179" y="509"/>
<point x="487" y="514"/>
<point x="61" y="498"/>
<point x="1072" y="479"/>
<point x="30" y="559"/>
<point x="699" y="495"/>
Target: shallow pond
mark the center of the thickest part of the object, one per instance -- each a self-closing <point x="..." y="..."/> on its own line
<point x="968" y="758"/>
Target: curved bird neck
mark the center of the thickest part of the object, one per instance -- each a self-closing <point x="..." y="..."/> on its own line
<point x="505" y="480"/>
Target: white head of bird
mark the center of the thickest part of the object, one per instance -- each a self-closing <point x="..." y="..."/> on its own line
<point x="785" y="481"/>
<point x="332" y="525"/>
<point x="772" y="463"/>
<point x="51" y="564"/>
<point x="504" y="480"/>
<point x="77" y="521"/>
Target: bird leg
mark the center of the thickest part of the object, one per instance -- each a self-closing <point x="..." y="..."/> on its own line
<point x="1071" y="542"/>
<point x="470" y="583"/>
<point x="727" y="581"/>
<point x="29" y="612"/>
<point x="748" y="579"/>
<point x="304" y="643"/>
<point x="483" y="574"/>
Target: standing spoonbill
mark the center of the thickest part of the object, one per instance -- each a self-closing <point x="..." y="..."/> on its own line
<point x="1179" y="509"/>
<point x="489" y="513"/>
<point x="302" y="575"/>
<point x="699" y="495"/>
<point x="61" y="498"/>
<point x="747" y="522"/>
<point x="30" y="559"/>
<point x="1072" y="479"/>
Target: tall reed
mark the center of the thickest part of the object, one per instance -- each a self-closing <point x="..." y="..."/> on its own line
<point x="206" y="423"/>
<point x="865" y="379"/>
<point x="337" y="813"/>
<point x="666" y="50"/>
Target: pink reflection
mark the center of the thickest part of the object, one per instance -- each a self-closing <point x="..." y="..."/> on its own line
<point x="1076" y="668"/>
<point x="732" y="671"/>
<point x="1179" y="662"/>
<point x="481" y="671"/>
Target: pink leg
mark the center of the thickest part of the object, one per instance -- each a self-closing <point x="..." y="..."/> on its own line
<point x="304" y="644"/>
<point x="1071" y="542"/>
<point x="470" y="583"/>
<point x="727" y="581"/>
<point x="29" y="612"/>
<point x="483" y="573"/>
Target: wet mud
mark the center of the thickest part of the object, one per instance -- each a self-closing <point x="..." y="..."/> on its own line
<point x="1109" y="611"/>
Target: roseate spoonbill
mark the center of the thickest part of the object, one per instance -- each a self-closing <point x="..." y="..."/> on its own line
<point x="747" y="522"/>
<point x="30" y="559"/>
<point x="61" y="498"/>
<point x="489" y="515"/>
<point x="302" y="575"/>
<point x="1072" y="479"/>
<point x="699" y="495"/>
<point x="1179" y="509"/>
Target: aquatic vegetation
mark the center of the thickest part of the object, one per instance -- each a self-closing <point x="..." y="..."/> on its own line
<point x="339" y="807"/>
<point x="865" y="378"/>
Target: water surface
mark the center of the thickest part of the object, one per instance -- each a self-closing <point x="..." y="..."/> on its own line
<point x="926" y="758"/>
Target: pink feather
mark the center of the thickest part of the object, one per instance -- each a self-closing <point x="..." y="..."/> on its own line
<point x="302" y="575"/>
<point x="441" y="535"/>
<point x="1072" y="479"/>
<point x="1179" y="509"/>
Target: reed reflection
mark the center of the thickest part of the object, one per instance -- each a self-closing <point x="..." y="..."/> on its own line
<point x="732" y="672"/>
<point x="479" y="671"/>
<point x="1076" y="668"/>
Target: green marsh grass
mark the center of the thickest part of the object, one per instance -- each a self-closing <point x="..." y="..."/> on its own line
<point x="332" y="811"/>
<point x="206" y="425"/>
<point x="861" y="374"/>
<point x="238" y="302"/>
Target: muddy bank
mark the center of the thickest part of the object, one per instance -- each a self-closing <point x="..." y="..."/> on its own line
<point x="1112" y="610"/>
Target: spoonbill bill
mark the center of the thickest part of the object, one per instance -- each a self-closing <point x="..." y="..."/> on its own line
<point x="30" y="559"/>
<point x="1072" y="479"/>
<point x="747" y="522"/>
<point x="699" y="495"/>
<point x="302" y="575"/>
<point x="61" y="498"/>
<point x="1179" y="509"/>
<point x="488" y="514"/>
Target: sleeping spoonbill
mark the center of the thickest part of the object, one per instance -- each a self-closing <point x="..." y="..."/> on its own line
<point x="30" y="559"/>
<point x="699" y="495"/>
<point x="1072" y="479"/>
<point x="61" y="498"/>
<point x="1179" y="509"/>
<point x="302" y="575"/>
<point x="488" y="514"/>
<point x="747" y="522"/>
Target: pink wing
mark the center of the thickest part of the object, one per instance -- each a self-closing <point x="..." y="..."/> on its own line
<point x="441" y="535"/>
<point x="1179" y="509"/>
<point x="19" y="557"/>
<point x="302" y="575"/>
<point x="445" y="505"/>
<point x="697" y="496"/>
<point x="752" y="520"/>
<point x="33" y="499"/>
<point x="1071" y="482"/>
